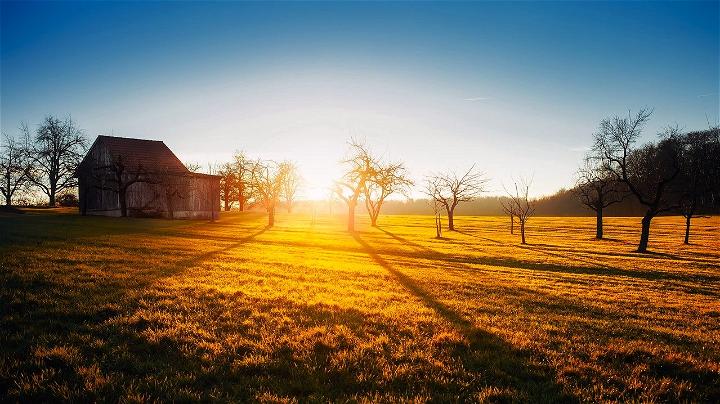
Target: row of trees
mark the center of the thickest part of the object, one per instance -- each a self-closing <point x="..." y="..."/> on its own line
<point x="678" y="173"/>
<point x="247" y="182"/>
<point x="43" y="160"/>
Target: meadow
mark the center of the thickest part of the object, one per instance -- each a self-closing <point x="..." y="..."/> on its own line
<point x="132" y="310"/>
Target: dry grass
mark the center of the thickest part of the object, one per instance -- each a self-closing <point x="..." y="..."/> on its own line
<point x="136" y="310"/>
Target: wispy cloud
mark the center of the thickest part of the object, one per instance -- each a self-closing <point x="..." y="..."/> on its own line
<point x="579" y="148"/>
<point x="476" y="99"/>
<point x="707" y="95"/>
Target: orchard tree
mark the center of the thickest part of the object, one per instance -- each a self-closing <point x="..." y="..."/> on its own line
<point x="15" y="166"/>
<point x="360" y="166"/>
<point x="267" y="182"/>
<point x="508" y="208"/>
<point x="698" y="185"/>
<point x="520" y="204"/>
<point x="115" y="176"/>
<point x="58" y="148"/>
<point x="291" y="184"/>
<point x="244" y="175"/>
<point x="449" y="190"/>
<point x="647" y="171"/>
<point x="387" y="179"/>
<point x="597" y="188"/>
<point x="228" y="185"/>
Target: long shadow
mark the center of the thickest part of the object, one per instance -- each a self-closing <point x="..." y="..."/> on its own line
<point x="479" y="237"/>
<point x="594" y="269"/>
<point x="488" y="354"/>
<point x="200" y="258"/>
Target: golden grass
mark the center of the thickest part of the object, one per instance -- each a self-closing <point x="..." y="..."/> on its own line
<point x="136" y="310"/>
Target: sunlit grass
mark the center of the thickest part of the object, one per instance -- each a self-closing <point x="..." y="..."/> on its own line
<point x="103" y="308"/>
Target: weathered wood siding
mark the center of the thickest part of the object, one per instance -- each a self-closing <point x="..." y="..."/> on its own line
<point x="170" y="195"/>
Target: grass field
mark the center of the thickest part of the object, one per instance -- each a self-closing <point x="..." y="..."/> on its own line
<point x="137" y="310"/>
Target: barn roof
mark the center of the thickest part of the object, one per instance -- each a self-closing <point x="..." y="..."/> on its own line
<point x="151" y="155"/>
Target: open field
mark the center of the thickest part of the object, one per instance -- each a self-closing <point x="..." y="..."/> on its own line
<point x="108" y="309"/>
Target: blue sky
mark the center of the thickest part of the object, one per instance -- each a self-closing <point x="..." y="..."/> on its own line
<point x="516" y="88"/>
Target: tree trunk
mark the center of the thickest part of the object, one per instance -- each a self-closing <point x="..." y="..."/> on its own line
<point x="687" y="229"/>
<point x="241" y="197"/>
<point x="51" y="202"/>
<point x="123" y="202"/>
<point x="645" y="234"/>
<point x="451" y="221"/>
<point x="512" y="224"/>
<point x="227" y="205"/>
<point x="373" y="219"/>
<point x="522" y="231"/>
<point x="289" y="207"/>
<point x="599" y="224"/>
<point x="438" y="225"/>
<point x="271" y="217"/>
<point x="351" y="216"/>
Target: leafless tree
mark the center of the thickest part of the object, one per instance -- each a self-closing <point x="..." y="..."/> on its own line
<point x="699" y="180"/>
<point x="192" y="166"/>
<point x="228" y="185"/>
<point x="244" y="175"/>
<point x="437" y="208"/>
<point x="267" y="181"/>
<point x="520" y="204"/>
<point x="15" y="166"/>
<point x="360" y="166"/>
<point x="647" y="171"/>
<point x="58" y="147"/>
<point x="597" y="189"/>
<point x="291" y="183"/>
<point x="449" y="190"/>
<point x="115" y="177"/>
<point x="387" y="179"/>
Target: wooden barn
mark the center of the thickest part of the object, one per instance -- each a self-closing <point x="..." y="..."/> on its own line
<point x="143" y="178"/>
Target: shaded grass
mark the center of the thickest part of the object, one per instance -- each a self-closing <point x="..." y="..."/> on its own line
<point x="135" y="310"/>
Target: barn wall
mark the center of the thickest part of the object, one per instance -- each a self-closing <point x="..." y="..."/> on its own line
<point x="178" y="196"/>
<point x="94" y="198"/>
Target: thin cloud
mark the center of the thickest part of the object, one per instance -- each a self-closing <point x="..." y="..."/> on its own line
<point x="476" y="99"/>
<point x="579" y="148"/>
<point x="706" y="95"/>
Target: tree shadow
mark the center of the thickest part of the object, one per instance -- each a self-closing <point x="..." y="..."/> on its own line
<point x="488" y="354"/>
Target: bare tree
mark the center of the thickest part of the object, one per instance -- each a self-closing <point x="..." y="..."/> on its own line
<point x="699" y="180"/>
<point x="647" y="171"/>
<point x="192" y="166"/>
<point x="291" y="184"/>
<point x="449" y="190"/>
<point x="58" y="147"/>
<point x="507" y="207"/>
<point x="520" y="204"/>
<point x="15" y="166"/>
<point x="115" y="177"/>
<point x="387" y="179"/>
<point x="228" y="185"/>
<point x="430" y="189"/>
<point x="244" y="174"/>
<point x="597" y="189"/>
<point x="267" y="181"/>
<point x="360" y="166"/>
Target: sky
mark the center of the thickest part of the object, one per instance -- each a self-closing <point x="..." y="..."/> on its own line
<point x="515" y="88"/>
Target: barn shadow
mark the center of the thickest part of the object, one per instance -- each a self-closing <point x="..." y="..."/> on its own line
<point x="486" y="354"/>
